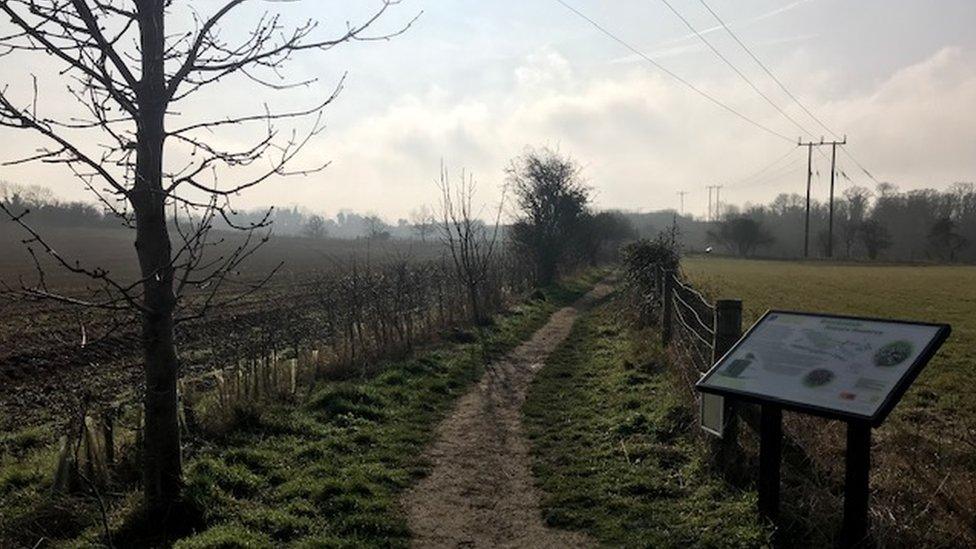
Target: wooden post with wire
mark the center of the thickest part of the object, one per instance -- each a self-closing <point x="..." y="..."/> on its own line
<point x="728" y="330"/>
<point x="659" y="283"/>
<point x="667" y="314"/>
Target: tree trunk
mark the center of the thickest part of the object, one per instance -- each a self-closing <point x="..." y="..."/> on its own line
<point x="162" y="467"/>
<point x="476" y="313"/>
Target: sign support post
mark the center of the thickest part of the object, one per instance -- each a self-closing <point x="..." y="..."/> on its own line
<point x="856" y="483"/>
<point x="770" y="457"/>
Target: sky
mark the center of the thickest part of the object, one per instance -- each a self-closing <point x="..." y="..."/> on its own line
<point x="472" y="83"/>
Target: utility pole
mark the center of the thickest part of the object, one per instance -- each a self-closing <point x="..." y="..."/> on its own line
<point x="718" y="202"/>
<point x="713" y="211"/>
<point x="833" y="173"/>
<point x="806" y="223"/>
<point x="682" y="195"/>
<point x="708" y="215"/>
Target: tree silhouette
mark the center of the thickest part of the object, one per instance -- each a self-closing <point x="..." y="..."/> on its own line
<point x="161" y="173"/>
<point x="741" y="235"/>
<point x="875" y="237"/>
<point x="944" y="239"/>
<point x="552" y="199"/>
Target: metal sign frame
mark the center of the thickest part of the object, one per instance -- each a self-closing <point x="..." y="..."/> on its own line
<point x="887" y="405"/>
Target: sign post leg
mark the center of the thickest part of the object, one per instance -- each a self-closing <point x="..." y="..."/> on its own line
<point x="770" y="456"/>
<point x="858" y="463"/>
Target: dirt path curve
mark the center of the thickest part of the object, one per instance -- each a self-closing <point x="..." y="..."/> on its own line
<point x="480" y="492"/>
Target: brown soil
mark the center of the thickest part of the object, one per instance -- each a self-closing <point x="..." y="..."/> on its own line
<point x="480" y="492"/>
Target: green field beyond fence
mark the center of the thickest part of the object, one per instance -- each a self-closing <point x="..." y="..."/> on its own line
<point x="924" y="481"/>
<point x="932" y="294"/>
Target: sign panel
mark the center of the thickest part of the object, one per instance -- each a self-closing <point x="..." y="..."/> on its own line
<point x="836" y="366"/>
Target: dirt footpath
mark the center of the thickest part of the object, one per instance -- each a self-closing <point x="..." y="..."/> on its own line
<point x="480" y="492"/>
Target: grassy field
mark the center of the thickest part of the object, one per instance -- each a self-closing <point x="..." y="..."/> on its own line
<point x="934" y="294"/>
<point x="615" y="448"/>
<point x="924" y="476"/>
<point x="321" y="472"/>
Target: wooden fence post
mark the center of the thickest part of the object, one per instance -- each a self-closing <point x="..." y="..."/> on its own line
<point x="659" y="283"/>
<point x="668" y="309"/>
<point x="728" y="330"/>
<point x="108" y="433"/>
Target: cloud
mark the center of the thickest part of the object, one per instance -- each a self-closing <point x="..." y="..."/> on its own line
<point x="918" y="127"/>
<point x="641" y="138"/>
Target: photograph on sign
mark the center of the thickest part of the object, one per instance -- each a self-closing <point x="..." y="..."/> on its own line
<point x="845" y="365"/>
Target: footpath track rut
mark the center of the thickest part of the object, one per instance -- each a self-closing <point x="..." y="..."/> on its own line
<point x="480" y="492"/>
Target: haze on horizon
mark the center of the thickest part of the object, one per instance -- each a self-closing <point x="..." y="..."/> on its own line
<point x="472" y="83"/>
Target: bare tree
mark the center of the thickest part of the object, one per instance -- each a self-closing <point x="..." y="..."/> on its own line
<point x="945" y="241"/>
<point x="315" y="227"/>
<point x="858" y="199"/>
<point x="129" y="74"/>
<point x="423" y="222"/>
<point x="740" y="235"/>
<point x="875" y="237"/>
<point x="376" y="228"/>
<point x="471" y="241"/>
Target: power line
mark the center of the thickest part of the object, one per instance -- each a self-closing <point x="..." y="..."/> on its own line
<point x="736" y="69"/>
<point x="765" y="168"/>
<point x="863" y="169"/>
<point x="773" y="175"/>
<point x="663" y="69"/>
<point x="783" y="87"/>
<point x="766" y="69"/>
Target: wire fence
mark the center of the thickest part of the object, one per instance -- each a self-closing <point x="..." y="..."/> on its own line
<point x="919" y="490"/>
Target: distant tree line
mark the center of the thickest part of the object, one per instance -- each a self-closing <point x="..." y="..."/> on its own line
<point x="879" y="224"/>
<point x="48" y="211"/>
<point x="571" y="233"/>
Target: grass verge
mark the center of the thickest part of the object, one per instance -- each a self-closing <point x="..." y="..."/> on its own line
<point x="328" y="471"/>
<point x="614" y="448"/>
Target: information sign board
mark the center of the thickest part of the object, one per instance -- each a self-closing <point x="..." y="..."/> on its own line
<point x="835" y="366"/>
